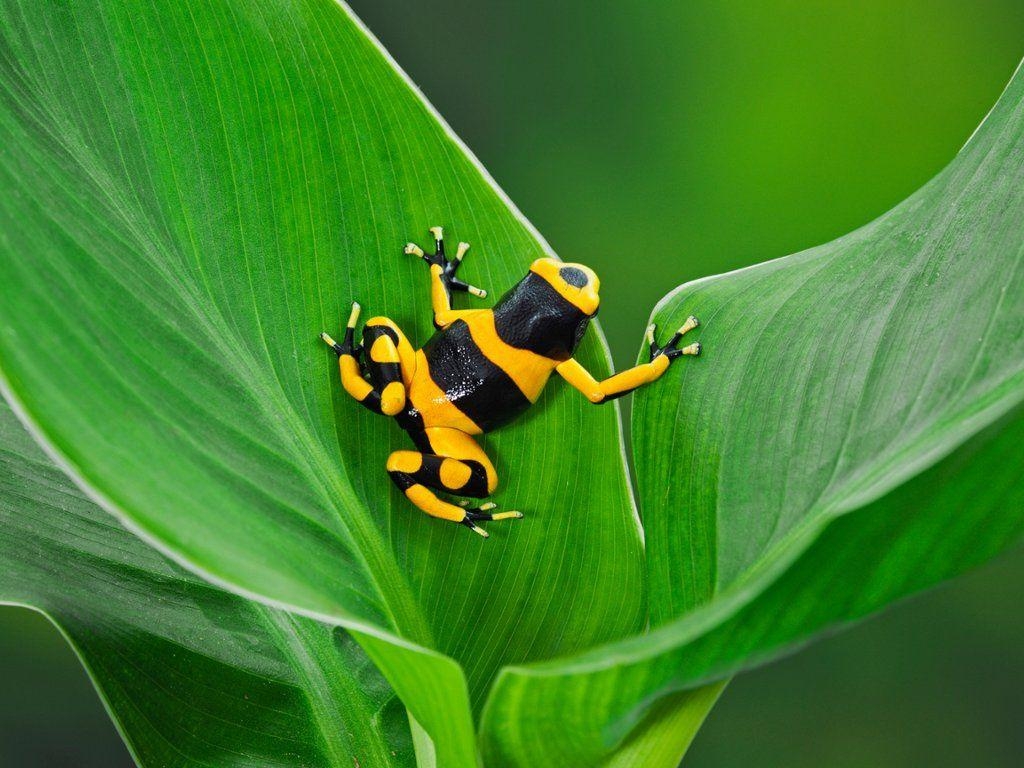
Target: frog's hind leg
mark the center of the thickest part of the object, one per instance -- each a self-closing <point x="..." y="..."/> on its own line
<point x="390" y="364"/>
<point x="391" y="361"/>
<point x="449" y="461"/>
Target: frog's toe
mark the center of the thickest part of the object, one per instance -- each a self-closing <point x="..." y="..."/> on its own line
<point x="466" y="521"/>
<point x="671" y="348"/>
<point x="483" y="512"/>
<point x="458" y="285"/>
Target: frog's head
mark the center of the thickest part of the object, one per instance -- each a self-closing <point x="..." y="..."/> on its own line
<point x="575" y="283"/>
<point x="549" y="310"/>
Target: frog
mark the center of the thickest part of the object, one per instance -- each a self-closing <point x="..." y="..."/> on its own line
<point x="481" y="370"/>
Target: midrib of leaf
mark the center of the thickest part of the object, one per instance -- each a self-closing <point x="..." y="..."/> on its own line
<point x="68" y="559"/>
<point x="324" y="683"/>
<point x="327" y="685"/>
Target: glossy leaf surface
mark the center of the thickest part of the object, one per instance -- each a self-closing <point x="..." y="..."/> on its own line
<point x="199" y="189"/>
<point x="851" y="434"/>
<point x="191" y="674"/>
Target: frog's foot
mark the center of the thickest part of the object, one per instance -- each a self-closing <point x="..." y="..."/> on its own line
<point x="347" y="345"/>
<point x="483" y="513"/>
<point x="449" y="267"/>
<point x="381" y="358"/>
<point x="671" y="350"/>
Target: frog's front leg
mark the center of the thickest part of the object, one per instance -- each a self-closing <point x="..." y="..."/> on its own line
<point x="443" y="280"/>
<point x="625" y="382"/>
<point x="454" y="464"/>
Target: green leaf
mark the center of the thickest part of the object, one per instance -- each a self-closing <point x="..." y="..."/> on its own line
<point x="662" y="738"/>
<point x="851" y="434"/>
<point x="196" y="190"/>
<point x="191" y="674"/>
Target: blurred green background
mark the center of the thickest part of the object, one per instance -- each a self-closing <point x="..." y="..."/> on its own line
<point x="659" y="142"/>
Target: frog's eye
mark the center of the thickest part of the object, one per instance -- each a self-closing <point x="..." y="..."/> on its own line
<point x="574" y="276"/>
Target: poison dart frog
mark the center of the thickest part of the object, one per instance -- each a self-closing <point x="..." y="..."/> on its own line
<point x="481" y="369"/>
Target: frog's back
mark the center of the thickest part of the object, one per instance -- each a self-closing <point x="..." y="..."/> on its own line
<point x="469" y="378"/>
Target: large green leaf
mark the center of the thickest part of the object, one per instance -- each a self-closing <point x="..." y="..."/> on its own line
<point x="194" y="191"/>
<point x="191" y="674"/>
<point x="852" y="434"/>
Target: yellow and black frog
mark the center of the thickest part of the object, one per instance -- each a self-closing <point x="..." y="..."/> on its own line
<point x="481" y="369"/>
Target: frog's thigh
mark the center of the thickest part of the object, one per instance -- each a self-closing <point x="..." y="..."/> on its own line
<point x="454" y="444"/>
<point x="386" y="345"/>
<point x="416" y="473"/>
